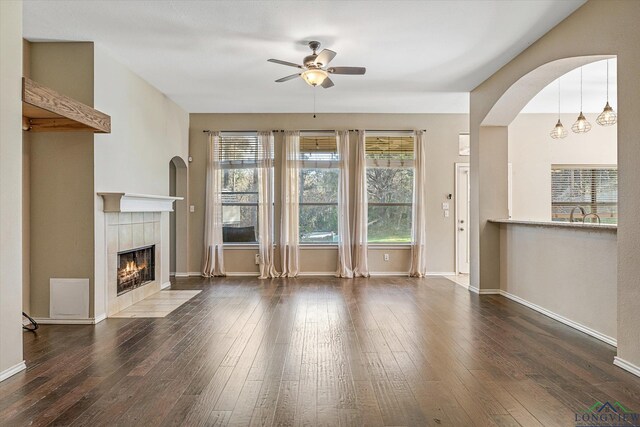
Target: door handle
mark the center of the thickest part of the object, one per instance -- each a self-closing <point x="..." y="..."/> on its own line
<point x="461" y="229"/>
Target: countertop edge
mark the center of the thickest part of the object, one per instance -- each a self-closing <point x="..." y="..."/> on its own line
<point x="553" y="224"/>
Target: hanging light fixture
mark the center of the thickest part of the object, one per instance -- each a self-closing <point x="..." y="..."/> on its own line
<point x="608" y="117"/>
<point x="558" y="131"/>
<point x="314" y="76"/>
<point x="581" y="125"/>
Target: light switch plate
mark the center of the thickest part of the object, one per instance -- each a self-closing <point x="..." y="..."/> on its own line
<point x="446" y="213"/>
<point x="445" y="206"/>
<point x="192" y="208"/>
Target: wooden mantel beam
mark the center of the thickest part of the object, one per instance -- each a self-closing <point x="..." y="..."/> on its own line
<point x="46" y="110"/>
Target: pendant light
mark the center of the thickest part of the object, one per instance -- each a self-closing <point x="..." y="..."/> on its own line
<point x="558" y="131"/>
<point x="581" y="125"/>
<point x="608" y="117"/>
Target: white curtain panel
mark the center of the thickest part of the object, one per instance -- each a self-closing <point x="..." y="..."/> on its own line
<point x="360" y="247"/>
<point x="289" y="229"/>
<point x="213" y="261"/>
<point x="418" y="248"/>
<point x="265" y="205"/>
<point x="344" y="232"/>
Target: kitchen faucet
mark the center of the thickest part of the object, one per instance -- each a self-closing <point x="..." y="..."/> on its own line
<point x="573" y="211"/>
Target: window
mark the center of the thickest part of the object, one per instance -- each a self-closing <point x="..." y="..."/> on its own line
<point x="389" y="187"/>
<point x="593" y="188"/>
<point x="238" y="159"/>
<point x="319" y="173"/>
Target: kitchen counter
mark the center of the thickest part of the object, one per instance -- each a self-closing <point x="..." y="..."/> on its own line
<point x="556" y="224"/>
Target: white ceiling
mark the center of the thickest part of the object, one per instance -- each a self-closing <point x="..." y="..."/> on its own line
<point x="594" y="91"/>
<point x="211" y="56"/>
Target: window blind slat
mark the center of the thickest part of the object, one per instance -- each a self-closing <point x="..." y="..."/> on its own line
<point x="595" y="189"/>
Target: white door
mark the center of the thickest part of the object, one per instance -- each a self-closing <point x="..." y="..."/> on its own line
<point x="463" y="191"/>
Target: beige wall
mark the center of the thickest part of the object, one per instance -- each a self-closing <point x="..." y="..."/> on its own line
<point x="61" y="178"/>
<point x="10" y="187"/>
<point x="597" y="28"/>
<point x="578" y="281"/>
<point x="147" y="131"/>
<point x="532" y="152"/>
<point x="442" y="140"/>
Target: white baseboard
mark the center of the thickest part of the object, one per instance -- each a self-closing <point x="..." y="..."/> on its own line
<point x="627" y="366"/>
<point x="165" y="285"/>
<point x="389" y="274"/>
<point x="12" y="370"/>
<point x="100" y="318"/>
<point x="484" y="291"/>
<point x="49" y="321"/>
<point x="317" y="273"/>
<point x="182" y="274"/>
<point x="440" y="273"/>
<point x="243" y="274"/>
<point x="555" y="316"/>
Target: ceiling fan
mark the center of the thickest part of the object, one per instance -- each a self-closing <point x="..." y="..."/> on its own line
<point x="315" y="67"/>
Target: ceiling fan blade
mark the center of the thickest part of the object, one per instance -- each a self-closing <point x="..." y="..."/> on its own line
<point x="347" y="70"/>
<point x="327" y="83"/>
<point x="325" y="57"/>
<point x="291" y="77"/>
<point x="290" y="64"/>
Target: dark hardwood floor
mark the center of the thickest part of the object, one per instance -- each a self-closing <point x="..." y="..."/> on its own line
<point x="317" y="351"/>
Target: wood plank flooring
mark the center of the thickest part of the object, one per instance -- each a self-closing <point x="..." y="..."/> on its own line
<point x="317" y="352"/>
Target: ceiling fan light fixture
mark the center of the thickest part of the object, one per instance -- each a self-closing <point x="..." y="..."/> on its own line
<point x="314" y="76"/>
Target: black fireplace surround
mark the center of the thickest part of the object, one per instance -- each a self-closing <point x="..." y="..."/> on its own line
<point x="136" y="267"/>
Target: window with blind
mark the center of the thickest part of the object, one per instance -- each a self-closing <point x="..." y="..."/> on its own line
<point x="238" y="160"/>
<point x="319" y="173"/>
<point x="390" y="168"/>
<point x="593" y="188"/>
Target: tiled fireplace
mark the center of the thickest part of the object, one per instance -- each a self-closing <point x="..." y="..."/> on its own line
<point x="134" y="241"/>
<point x="134" y="245"/>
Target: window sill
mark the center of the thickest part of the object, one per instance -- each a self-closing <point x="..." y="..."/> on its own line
<point x="240" y="246"/>
<point x="390" y="245"/>
<point x="318" y="246"/>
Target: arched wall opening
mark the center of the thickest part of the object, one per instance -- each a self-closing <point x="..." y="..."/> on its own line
<point x="543" y="266"/>
<point x="178" y="219"/>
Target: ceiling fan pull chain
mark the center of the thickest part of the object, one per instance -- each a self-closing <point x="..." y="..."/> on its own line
<point x="314" y="102"/>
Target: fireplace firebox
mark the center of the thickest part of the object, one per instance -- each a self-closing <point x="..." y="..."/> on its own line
<point x="136" y="268"/>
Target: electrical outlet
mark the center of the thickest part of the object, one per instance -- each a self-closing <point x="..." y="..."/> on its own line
<point x="446" y="214"/>
<point x="445" y="206"/>
<point x="257" y="259"/>
<point x="192" y="208"/>
<point x="386" y="257"/>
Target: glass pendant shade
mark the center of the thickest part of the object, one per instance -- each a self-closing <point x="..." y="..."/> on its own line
<point x="314" y="76"/>
<point x="581" y="125"/>
<point x="608" y="117"/>
<point x="558" y="131"/>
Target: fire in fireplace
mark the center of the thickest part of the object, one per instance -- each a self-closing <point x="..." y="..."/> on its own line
<point x="135" y="268"/>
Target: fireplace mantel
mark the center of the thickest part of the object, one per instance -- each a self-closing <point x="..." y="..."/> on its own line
<point x="131" y="202"/>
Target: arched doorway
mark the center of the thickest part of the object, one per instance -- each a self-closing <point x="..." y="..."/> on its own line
<point x="178" y="248"/>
